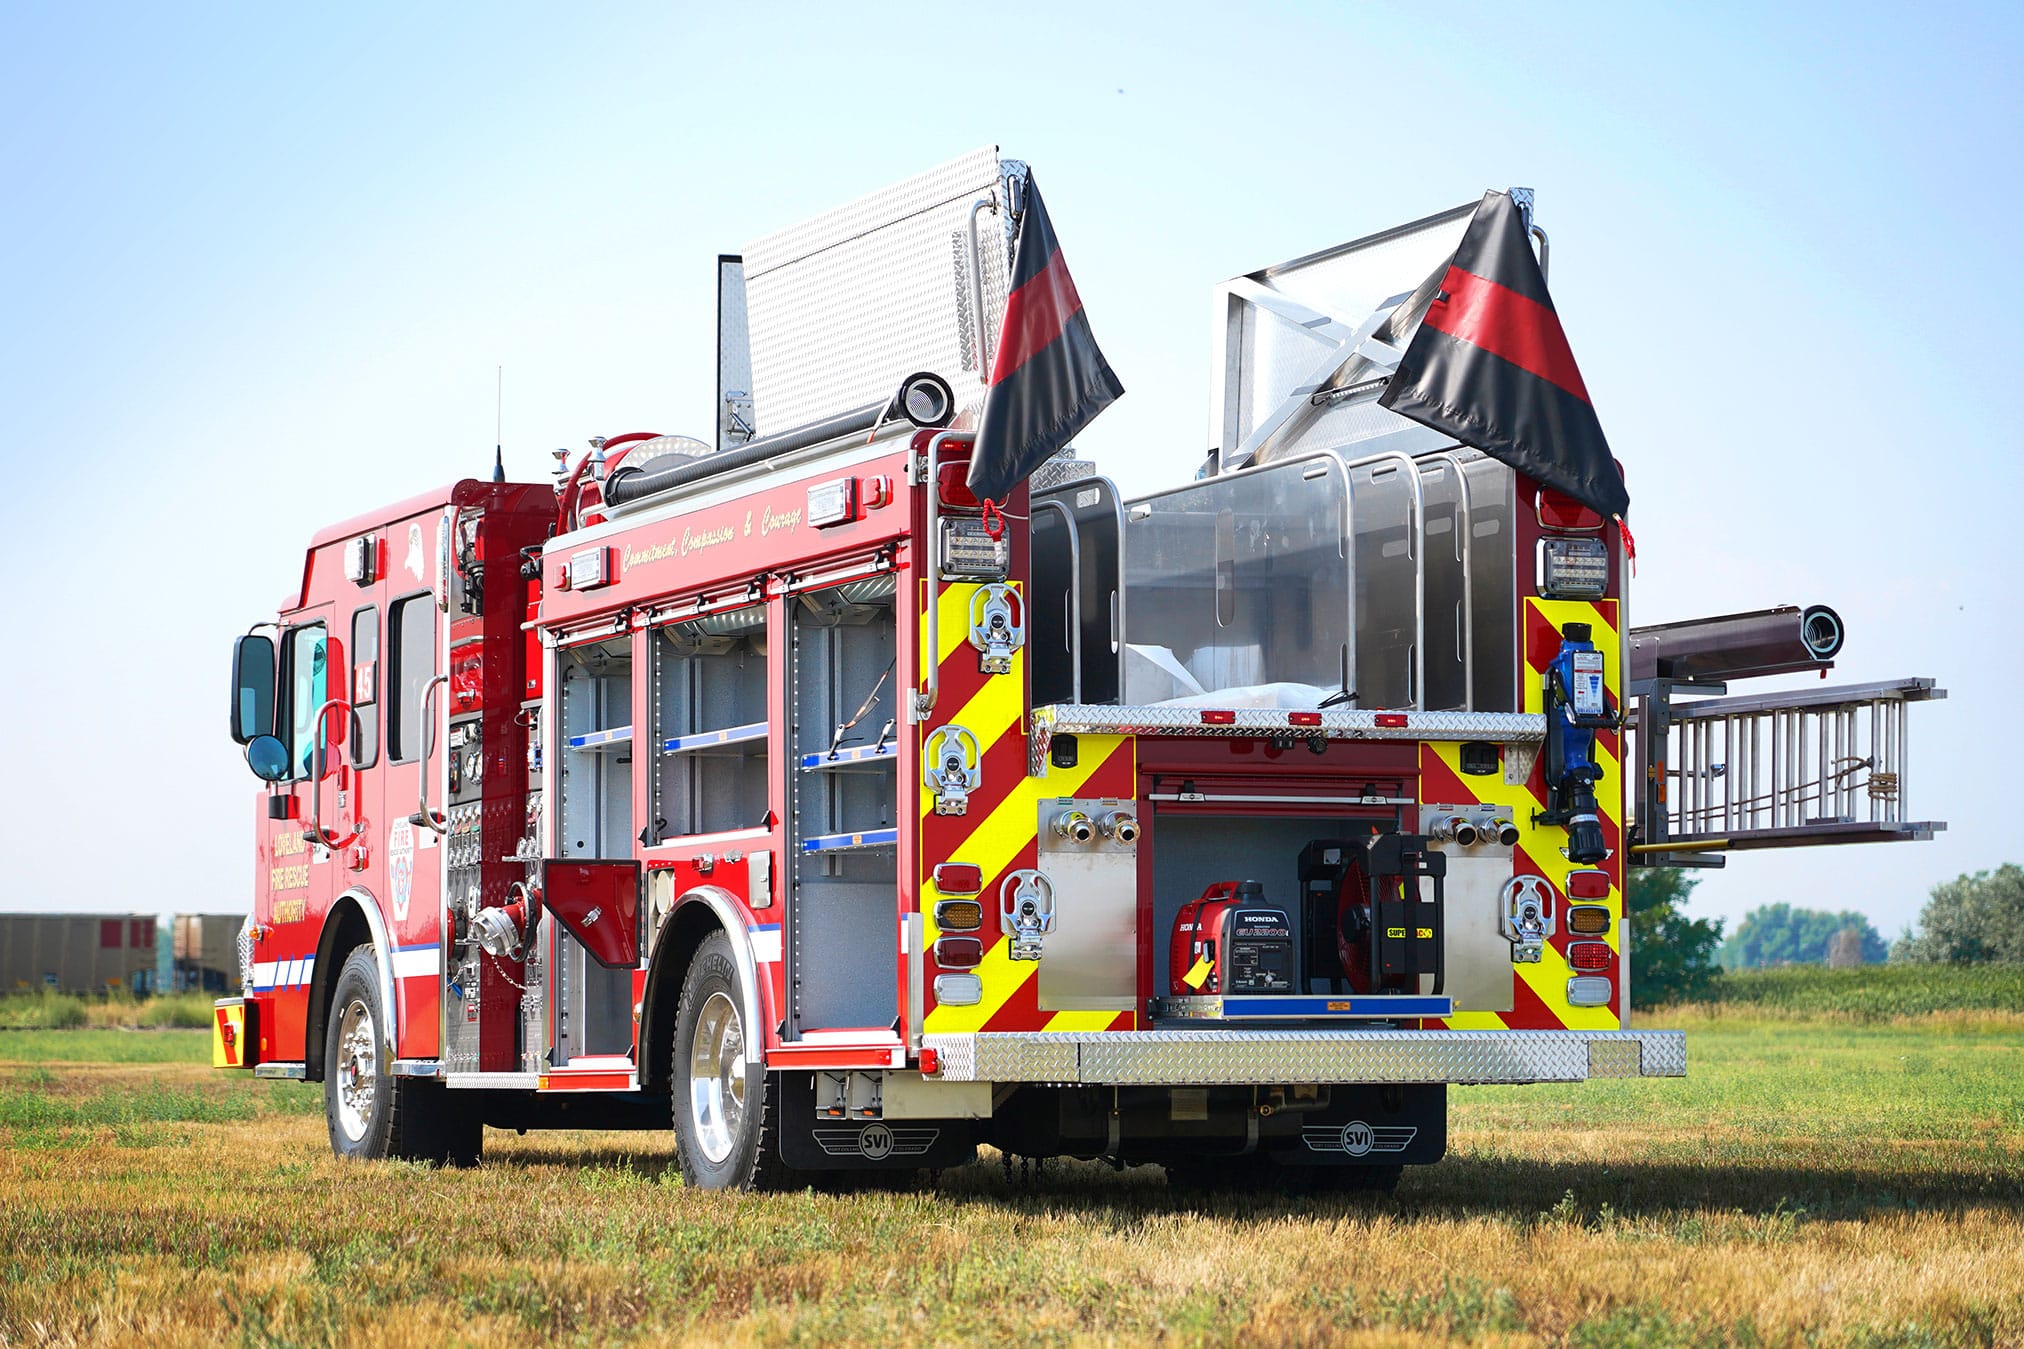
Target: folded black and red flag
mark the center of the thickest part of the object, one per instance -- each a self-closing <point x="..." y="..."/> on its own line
<point x="1491" y="367"/>
<point x="1049" y="380"/>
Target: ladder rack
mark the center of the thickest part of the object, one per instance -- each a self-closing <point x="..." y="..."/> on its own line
<point x="1776" y="770"/>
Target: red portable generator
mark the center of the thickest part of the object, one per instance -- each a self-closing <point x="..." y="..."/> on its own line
<point x="1230" y="941"/>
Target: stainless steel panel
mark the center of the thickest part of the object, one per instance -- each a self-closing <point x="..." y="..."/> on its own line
<point x="1088" y="961"/>
<point x="1477" y="955"/>
<point x="843" y="306"/>
<point x="1204" y="1057"/>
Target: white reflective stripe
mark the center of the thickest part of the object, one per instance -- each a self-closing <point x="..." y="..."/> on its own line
<point x="264" y="973"/>
<point x="766" y="947"/>
<point x="414" y="963"/>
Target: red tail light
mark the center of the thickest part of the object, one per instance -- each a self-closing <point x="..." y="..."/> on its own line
<point x="1557" y="510"/>
<point x="931" y="1061"/>
<point x="1219" y="718"/>
<point x="1303" y="718"/>
<point x="1590" y="955"/>
<point x="959" y="953"/>
<point x="958" y="878"/>
<point x="952" y="485"/>
<point x="1588" y="885"/>
<point x="1392" y="720"/>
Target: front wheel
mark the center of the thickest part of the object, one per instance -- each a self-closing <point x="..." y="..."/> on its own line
<point x="371" y="1113"/>
<point x="724" y="1108"/>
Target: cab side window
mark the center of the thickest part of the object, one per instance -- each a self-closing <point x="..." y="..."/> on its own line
<point x="365" y="687"/>
<point x="308" y="660"/>
<point x="411" y="633"/>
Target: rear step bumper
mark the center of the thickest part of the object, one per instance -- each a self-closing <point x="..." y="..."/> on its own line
<point x="1297" y="1057"/>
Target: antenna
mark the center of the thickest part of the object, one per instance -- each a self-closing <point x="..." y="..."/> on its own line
<point x="499" y="426"/>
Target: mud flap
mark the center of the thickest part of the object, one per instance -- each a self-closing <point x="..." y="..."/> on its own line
<point x="1370" y="1126"/>
<point x="812" y="1143"/>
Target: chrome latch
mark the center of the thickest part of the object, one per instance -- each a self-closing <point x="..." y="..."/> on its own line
<point x="1026" y="908"/>
<point x="1526" y="917"/>
<point x="997" y="626"/>
<point x="950" y="768"/>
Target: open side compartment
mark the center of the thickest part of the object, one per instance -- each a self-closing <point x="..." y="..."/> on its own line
<point x="843" y="795"/>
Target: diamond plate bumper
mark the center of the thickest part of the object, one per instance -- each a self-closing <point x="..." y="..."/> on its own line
<point x="1247" y="1057"/>
<point x="1518" y="728"/>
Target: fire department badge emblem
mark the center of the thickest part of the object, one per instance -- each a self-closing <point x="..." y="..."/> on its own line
<point x="401" y="866"/>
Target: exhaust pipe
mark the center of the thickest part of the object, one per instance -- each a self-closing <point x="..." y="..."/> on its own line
<point x="1738" y="646"/>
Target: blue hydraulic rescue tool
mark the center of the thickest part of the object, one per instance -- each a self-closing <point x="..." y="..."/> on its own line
<point x="1575" y="710"/>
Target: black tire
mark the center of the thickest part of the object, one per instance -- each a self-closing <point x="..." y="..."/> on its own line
<point x="370" y="1113"/>
<point x="726" y="1117"/>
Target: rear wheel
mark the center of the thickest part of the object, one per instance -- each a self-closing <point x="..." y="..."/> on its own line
<point x="725" y="1109"/>
<point x="370" y="1113"/>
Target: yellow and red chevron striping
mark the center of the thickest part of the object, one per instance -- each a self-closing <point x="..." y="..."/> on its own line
<point x="1539" y="991"/>
<point x="999" y="831"/>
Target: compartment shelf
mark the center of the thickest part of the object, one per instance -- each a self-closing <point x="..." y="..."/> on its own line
<point x="737" y="739"/>
<point x="616" y="735"/>
<point x="863" y="840"/>
<point x="852" y="756"/>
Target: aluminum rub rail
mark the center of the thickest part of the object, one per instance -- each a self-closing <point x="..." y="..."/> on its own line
<point x="1509" y="728"/>
<point x="1305" y="1057"/>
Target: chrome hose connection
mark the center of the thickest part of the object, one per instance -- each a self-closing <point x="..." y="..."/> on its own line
<point x="1121" y="826"/>
<point x="1075" y="825"/>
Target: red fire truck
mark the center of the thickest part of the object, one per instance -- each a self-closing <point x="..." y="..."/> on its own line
<point x="769" y="788"/>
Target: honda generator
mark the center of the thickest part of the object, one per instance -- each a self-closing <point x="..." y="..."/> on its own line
<point x="1231" y="941"/>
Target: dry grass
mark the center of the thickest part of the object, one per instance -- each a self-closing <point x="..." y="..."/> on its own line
<point x="1810" y="1184"/>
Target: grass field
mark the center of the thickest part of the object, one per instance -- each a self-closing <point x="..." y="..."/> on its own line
<point x="1815" y="1181"/>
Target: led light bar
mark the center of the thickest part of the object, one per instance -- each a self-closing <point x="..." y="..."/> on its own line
<point x="971" y="554"/>
<point x="1573" y="568"/>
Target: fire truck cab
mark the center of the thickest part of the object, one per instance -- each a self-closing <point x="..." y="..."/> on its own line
<point x="775" y="790"/>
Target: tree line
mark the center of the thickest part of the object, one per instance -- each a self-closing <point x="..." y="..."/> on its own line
<point x="1972" y="919"/>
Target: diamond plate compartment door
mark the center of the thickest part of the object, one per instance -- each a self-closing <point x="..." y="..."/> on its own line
<point x="1089" y="958"/>
<point x="841" y="308"/>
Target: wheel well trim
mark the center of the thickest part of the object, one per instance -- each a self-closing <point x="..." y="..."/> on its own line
<point x="383" y="957"/>
<point x="731" y="918"/>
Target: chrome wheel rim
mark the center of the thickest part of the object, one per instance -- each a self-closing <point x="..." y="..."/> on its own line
<point x="357" y="1070"/>
<point x="717" y="1077"/>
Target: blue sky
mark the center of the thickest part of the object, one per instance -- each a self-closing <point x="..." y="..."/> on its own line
<point x="259" y="264"/>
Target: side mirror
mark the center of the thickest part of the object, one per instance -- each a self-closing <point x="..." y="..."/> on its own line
<point x="267" y="757"/>
<point x="253" y="692"/>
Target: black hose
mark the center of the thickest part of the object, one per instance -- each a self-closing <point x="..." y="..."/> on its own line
<point x="629" y="484"/>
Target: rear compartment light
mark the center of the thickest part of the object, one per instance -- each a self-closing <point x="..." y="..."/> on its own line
<point x="1211" y="718"/>
<point x="959" y="990"/>
<point x="969" y="553"/>
<point x="1572" y="569"/>
<point x="959" y="878"/>
<point x="1557" y="510"/>
<point x="1588" y="920"/>
<point x="832" y="503"/>
<point x="1588" y="990"/>
<point x="959" y="953"/>
<point x="1590" y="956"/>
<point x="1588" y="885"/>
<point x="589" y="568"/>
<point x="952" y="486"/>
<point x="1303" y="718"/>
<point x="959" y="915"/>
<point x="1392" y="720"/>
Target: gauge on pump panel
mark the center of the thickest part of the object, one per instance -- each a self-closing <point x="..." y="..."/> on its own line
<point x="474" y="764"/>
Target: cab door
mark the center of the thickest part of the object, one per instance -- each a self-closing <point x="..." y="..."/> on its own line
<point x="296" y="873"/>
<point x="413" y="695"/>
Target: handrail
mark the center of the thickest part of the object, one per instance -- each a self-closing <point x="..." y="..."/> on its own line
<point x="316" y="833"/>
<point x="1465" y="553"/>
<point x="924" y="699"/>
<point x="425" y="816"/>
<point x="977" y="287"/>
